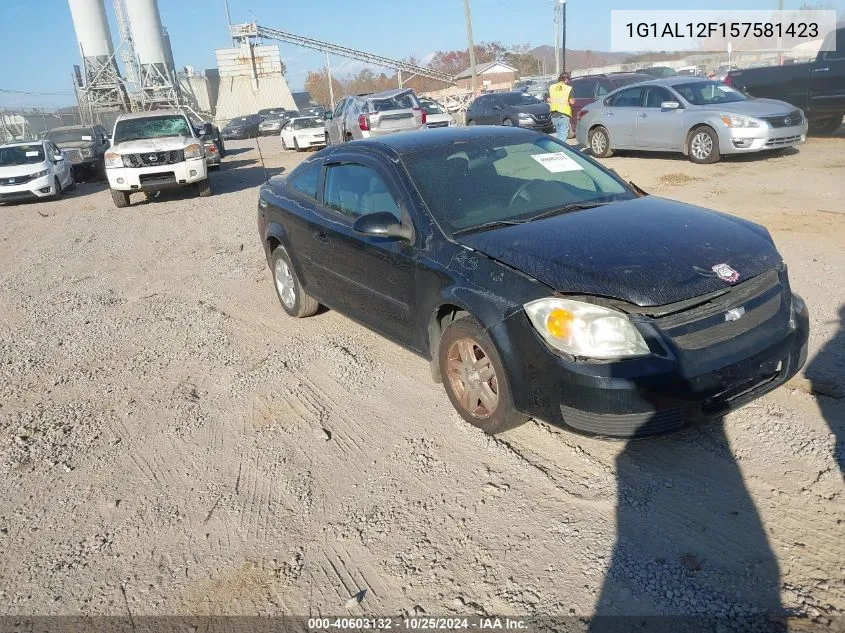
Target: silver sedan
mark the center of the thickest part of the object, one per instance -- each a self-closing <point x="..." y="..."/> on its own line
<point x="702" y="118"/>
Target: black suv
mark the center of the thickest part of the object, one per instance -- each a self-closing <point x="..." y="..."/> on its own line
<point x="517" y="109"/>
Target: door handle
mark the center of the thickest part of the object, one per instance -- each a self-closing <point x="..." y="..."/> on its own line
<point x="643" y="115"/>
<point x="608" y="114"/>
<point x="820" y="70"/>
<point x="320" y="236"/>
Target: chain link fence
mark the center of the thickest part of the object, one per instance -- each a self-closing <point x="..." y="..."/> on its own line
<point x="27" y="124"/>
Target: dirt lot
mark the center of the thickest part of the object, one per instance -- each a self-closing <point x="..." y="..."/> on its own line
<point x="172" y="443"/>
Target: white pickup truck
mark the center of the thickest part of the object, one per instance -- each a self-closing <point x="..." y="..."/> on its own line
<point x="155" y="150"/>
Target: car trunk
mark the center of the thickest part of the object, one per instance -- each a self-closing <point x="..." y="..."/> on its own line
<point x="388" y="115"/>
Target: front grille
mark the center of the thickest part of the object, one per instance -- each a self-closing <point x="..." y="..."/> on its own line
<point x="794" y="118"/>
<point x="439" y="124"/>
<point x="153" y="159"/>
<point x="15" y="180"/>
<point x="158" y="178"/>
<point x="786" y="140"/>
<point x="73" y="155"/>
<point x="706" y="324"/>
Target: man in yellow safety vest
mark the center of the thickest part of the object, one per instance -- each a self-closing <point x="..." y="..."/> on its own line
<point x="560" y="101"/>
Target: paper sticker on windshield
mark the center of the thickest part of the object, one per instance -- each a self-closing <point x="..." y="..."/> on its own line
<point x="86" y="138"/>
<point x="557" y="162"/>
<point x="31" y="154"/>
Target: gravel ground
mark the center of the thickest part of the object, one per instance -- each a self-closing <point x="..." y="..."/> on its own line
<point x="171" y="443"/>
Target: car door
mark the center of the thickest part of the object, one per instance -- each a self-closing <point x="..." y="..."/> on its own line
<point x="287" y="137"/>
<point x="827" y="77"/>
<point x="620" y="116"/>
<point x="659" y="128"/>
<point x="369" y="278"/>
<point x="335" y="124"/>
<point x="63" y="170"/>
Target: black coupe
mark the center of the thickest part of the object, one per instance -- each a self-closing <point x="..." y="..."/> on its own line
<point x="537" y="282"/>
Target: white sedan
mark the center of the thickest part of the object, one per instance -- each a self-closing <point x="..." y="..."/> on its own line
<point x="303" y="132"/>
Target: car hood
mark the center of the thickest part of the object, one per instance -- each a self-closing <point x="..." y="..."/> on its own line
<point x="535" y="109"/>
<point x="161" y="144"/>
<point x="648" y="251"/>
<point x="754" y="107"/>
<point x="13" y="171"/>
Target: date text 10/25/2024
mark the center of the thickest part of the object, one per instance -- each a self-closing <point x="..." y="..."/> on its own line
<point x="422" y="623"/>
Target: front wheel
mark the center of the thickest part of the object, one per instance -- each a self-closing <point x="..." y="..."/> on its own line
<point x="825" y="126"/>
<point x="475" y="379"/>
<point x="204" y="188"/>
<point x="295" y="301"/>
<point x="703" y="146"/>
<point x="120" y="198"/>
<point x="599" y="141"/>
<point x="507" y="123"/>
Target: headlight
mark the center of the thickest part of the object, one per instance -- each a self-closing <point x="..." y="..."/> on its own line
<point x="87" y="153"/>
<point x="194" y="151"/>
<point x="732" y="120"/>
<point x="38" y="174"/>
<point x="584" y="329"/>
<point x="113" y="159"/>
<point x="523" y="115"/>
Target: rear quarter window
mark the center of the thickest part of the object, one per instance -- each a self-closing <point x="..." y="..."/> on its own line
<point x="305" y="181"/>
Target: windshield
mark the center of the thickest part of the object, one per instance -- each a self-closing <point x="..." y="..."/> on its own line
<point x="430" y="107"/>
<point x="518" y="98"/>
<point x="302" y="124"/>
<point x="21" y="155"/>
<point x="151" y="127"/>
<point x="69" y="136"/>
<point x="241" y="120"/>
<point x="486" y="180"/>
<point x="707" y="92"/>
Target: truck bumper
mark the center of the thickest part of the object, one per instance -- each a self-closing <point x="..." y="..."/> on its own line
<point x="158" y="177"/>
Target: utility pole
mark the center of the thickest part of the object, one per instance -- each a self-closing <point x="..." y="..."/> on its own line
<point x="557" y="38"/>
<point x="780" y="39"/>
<point x="471" y="48"/>
<point x="329" y="75"/>
<point x="562" y="4"/>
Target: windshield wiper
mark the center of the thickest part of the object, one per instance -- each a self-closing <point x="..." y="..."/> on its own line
<point x="487" y="225"/>
<point x="574" y="206"/>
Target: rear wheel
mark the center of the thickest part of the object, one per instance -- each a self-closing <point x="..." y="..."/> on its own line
<point x="599" y="141"/>
<point x="507" y="123"/>
<point x="703" y="145"/>
<point x="295" y="301"/>
<point x="204" y="188"/>
<point x="120" y="198"/>
<point x="474" y="377"/>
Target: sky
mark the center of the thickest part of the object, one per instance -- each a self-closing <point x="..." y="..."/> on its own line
<point x="38" y="46"/>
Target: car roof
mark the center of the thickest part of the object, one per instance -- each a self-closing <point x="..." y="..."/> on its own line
<point x="19" y="143"/>
<point x="70" y="127"/>
<point x="299" y="118"/>
<point x="385" y="94"/>
<point x="402" y="143"/>
<point x="149" y="113"/>
<point x="679" y="80"/>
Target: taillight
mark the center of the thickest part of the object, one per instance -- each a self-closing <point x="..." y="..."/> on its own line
<point x="582" y="113"/>
<point x="728" y="80"/>
<point x="363" y="122"/>
<point x="422" y="114"/>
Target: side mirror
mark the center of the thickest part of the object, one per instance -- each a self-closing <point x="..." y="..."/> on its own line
<point x="670" y="105"/>
<point x="382" y="224"/>
<point x="207" y="129"/>
<point x="328" y="115"/>
<point x="58" y="157"/>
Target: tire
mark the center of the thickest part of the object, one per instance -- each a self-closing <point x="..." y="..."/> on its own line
<point x="328" y="140"/>
<point x="204" y="188"/>
<point x="349" y="138"/>
<point x="703" y="146"/>
<point x="295" y="301"/>
<point x="57" y="185"/>
<point x="470" y="122"/>
<point x="463" y="345"/>
<point x="120" y="198"/>
<point x="72" y="185"/>
<point x="296" y="144"/>
<point x="599" y="142"/>
<point x="284" y="145"/>
<point x="507" y="123"/>
<point x="221" y="149"/>
<point x="825" y="126"/>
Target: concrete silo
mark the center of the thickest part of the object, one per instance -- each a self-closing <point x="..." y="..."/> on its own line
<point x="157" y="82"/>
<point x="103" y="87"/>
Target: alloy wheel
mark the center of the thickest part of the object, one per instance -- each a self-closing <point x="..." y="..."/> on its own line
<point x="701" y="146"/>
<point x="599" y="143"/>
<point x="285" y="283"/>
<point x="472" y="378"/>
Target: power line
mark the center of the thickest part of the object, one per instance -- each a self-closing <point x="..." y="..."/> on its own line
<point x="38" y="94"/>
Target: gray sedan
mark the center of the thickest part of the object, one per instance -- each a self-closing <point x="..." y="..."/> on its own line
<point x="702" y="118"/>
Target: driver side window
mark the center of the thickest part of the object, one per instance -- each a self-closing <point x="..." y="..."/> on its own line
<point x="628" y="98"/>
<point x="354" y="190"/>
